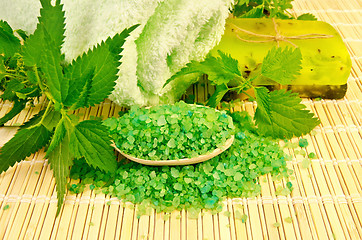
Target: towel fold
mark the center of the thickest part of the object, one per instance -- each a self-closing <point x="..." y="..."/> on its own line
<point x="171" y="34"/>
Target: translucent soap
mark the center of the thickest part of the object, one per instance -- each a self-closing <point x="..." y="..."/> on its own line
<point x="326" y="62"/>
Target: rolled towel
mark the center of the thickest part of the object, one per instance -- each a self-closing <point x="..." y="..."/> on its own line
<point x="171" y="34"/>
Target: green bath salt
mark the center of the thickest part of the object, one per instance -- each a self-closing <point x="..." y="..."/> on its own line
<point x="169" y="132"/>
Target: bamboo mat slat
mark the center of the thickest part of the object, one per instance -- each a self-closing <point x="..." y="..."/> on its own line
<point x="326" y="202"/>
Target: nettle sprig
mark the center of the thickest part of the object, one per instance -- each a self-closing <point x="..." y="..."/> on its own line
<point x="266" y="8"/>
<point x="279" y="113"/>
<point x="41" y="70"/>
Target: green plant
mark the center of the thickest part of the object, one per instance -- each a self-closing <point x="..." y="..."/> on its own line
<point x="279" y="113"/>
<point x="38" y="68"/>
<point x="267" y="8"/>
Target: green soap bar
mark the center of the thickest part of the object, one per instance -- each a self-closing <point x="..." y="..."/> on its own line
<point x="326" y="60"/>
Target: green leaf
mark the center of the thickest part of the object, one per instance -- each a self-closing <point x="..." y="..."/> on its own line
<point x="241" y="7"/>
<point x="32" y="121"/>
<point x="83" y="98"/>
<point x="307" y="16"/>
<point x="5" y="27"/>
<point x="52" y="21"/>
<point x="282" y="15"/>
<point x="22" y="34"/>
<point x="52" y="17"/>
<point x="277" y="8"/>
<point x="192" y="67"/>
<point x="42" y="49"/>
<point x="50" y="121"/>
<point x="263" y="111"/>
<point x="24" y="143"/>
<point x="241" y="2"/>
<point x="256" y="12"/>
<point x="217" y="96"/>
<point x="32" y="48"/>
<point x="2" y="68"/>
<point x="11" y="88"/>
<point x="9" y="44"/>
<point x="288" y="116"/>
<point x="31" y="91"/>
<point x="92" y="76"/>
<point x="229" y="64"/>
<point x="50" y="66"/>
<point x="57" y="137"/>
<point x="61" y="161"/>
<point x="282" y="65"/>
<point x="90" y="140"/>
<point x="220" y="70"/>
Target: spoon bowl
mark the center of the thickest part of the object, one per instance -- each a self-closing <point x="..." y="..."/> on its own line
<point x="184" y="161"/>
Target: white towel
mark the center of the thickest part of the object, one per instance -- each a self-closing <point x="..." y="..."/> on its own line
<point x="172" y="33"/>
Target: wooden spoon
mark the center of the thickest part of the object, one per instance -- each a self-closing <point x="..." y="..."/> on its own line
<point x="184" y="161"/>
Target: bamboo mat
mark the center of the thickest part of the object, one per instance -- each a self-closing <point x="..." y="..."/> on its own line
<point x="326" y="202"/>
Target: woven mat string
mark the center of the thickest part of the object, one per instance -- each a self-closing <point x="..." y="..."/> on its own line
<point x="278" y="37"/>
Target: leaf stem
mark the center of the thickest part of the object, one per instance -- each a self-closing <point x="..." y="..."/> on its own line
<point x="45" y="113"/>
<point x="31" y="92"/>
<point x="38" y="78"/>
<point x="42" y="88"/>
<point x="10" y="75"/>
<point x="234" y="88"/>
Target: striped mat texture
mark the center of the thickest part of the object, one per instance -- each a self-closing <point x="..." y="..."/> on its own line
<point x="326" y="202"/>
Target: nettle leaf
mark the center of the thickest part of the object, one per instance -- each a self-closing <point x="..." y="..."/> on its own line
<point x="217" y="96"/>
<point x="90" y="140"/>
<point x="52" y="17"/>
<point x="23" y="144"/>
<point x="85" y="85"/>
<point x="32" y="48"/>
<point x="5" y="27"/>
<point x="255" y="12"/>
<point x="241" y="2"/>
<point x="220" y="70"/>
<point x="263" y="111"/>
<point x="278" y="8"/>
<point x="22" y="34"/>
<point x="2" y="68"/>
<point x="92" y="76"/>
<point x="42" y="49"/>
<point x="50" y="121"/>
<point x="11" y="88"/>
<point x="53" y="72"/>
<point x="57" y="137"/>
<point x="192" y="67"/>
<point x="61" y="160"/>
<point x="32" y="121"/>
<point x="288" y="117"/>
<point x="9" y="43"/>
<point x="307" y="16"/>
<point x="228" y="63"/>
<point x="53" y="21"/>
<point x="282" y="65"/>
<point x="217" y="71"/>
